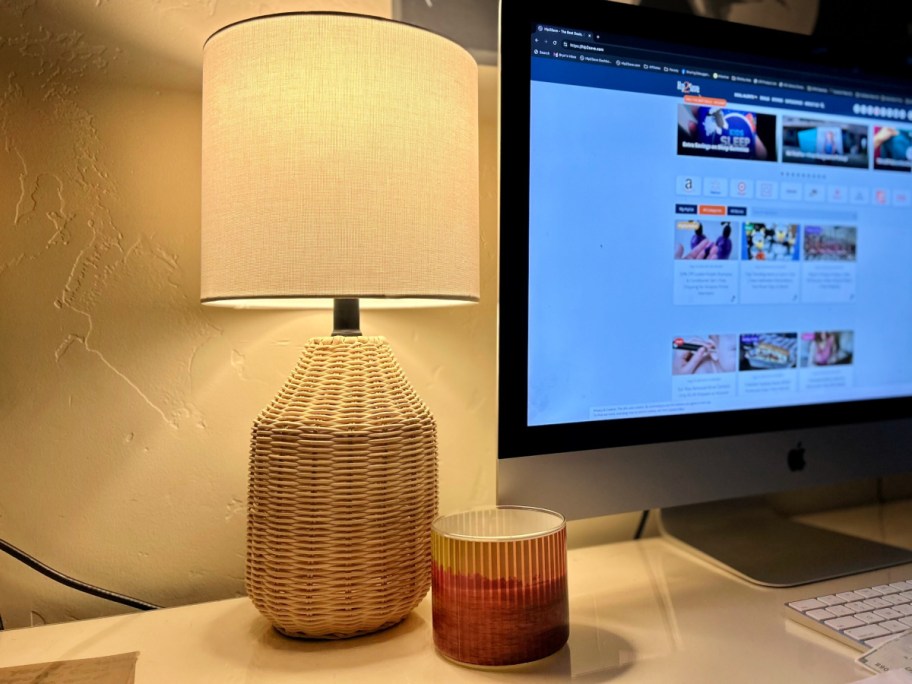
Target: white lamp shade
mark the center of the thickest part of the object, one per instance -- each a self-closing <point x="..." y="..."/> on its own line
<point x="340" y="159"/>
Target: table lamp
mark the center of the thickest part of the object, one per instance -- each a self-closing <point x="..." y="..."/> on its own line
<point x="340" y="164"/>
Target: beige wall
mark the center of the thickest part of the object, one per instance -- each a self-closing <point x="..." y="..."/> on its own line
<point x="125" y="406"/>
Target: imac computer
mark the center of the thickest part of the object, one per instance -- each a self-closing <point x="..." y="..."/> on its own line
<point x="705" y="276"/>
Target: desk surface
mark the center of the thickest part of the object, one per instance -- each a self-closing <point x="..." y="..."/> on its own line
<point x="640" y="612"/>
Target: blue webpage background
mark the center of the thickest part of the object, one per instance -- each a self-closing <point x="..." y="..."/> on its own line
<point x="604" y="186"/>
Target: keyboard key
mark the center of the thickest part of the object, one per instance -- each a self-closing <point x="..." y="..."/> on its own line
<point x="825" y="614"/>
<point x="906" y="594"/>
<point x="895" y="599"/>
<point x="874" y="643"/>
<point x="808" y="604"/>
<point x="905" y="609"/>
<point x="876" y="603"/>
<point x="894" y="626"/>
<point x="888" y="613"/>
<point x="866" y="632"/>
<point x="831" y="600"/>
<point x="885" y="589"/>
<point x="869" y="618"/>
<point x="850" y="596"/>
<point x="857" y="606"/>
<point x="902" y="586"/>
<point x="868" y="592"/>
<point x="906" y="621"/>
<point x="839" y="611"/>
<point x="844" y="623"/>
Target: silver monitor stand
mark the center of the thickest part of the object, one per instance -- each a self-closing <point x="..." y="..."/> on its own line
<point x="750" y="540"/>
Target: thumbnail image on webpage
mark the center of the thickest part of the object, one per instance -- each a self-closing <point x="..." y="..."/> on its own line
<point x="698" y="354"/>
<point x="831" y="143"/>
<point x="892" y="148"/>
<point x="770" y="242"/>
<point x="705" y="240"/>
<point x="726" y="353"/>
<point x="826" y="348"/>
<point x="830" y="243"/>
<point x="723" y="132"/>
<point x="768" y="351"/>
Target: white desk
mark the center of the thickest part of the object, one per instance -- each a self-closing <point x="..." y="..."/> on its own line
<point x="640" y="612"/>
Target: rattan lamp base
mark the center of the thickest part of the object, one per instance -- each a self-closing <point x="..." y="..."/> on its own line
<point x="342" y="493"/>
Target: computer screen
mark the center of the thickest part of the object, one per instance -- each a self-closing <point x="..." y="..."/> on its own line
<point x="705" y="242"/>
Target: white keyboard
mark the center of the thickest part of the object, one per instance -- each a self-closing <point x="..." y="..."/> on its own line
<point x="862" y="618"/>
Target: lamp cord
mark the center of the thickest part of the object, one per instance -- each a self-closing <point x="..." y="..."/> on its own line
<point x="642" y="525"/>
<point x="70" y="582"/>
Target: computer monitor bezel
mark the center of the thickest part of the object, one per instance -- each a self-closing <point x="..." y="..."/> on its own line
<point x="598" y="467"/>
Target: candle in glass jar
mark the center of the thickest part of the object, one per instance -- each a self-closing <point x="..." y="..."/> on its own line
<point x="499" y="585"/>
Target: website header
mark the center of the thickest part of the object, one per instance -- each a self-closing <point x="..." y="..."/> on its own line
<point x="547" y="39"/>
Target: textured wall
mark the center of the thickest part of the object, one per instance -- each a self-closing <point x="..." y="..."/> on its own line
<point x="125" y="406"/>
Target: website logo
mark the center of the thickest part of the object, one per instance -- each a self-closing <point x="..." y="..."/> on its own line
<point x="688" y="88"/>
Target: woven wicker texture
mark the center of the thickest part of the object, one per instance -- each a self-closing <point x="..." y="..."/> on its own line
<point x="342" y="493"/>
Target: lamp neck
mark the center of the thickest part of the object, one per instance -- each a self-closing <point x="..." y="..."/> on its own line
<point x="346" y="318"/>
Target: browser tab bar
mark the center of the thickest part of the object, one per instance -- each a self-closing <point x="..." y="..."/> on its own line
<point x="581" y="46"/>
